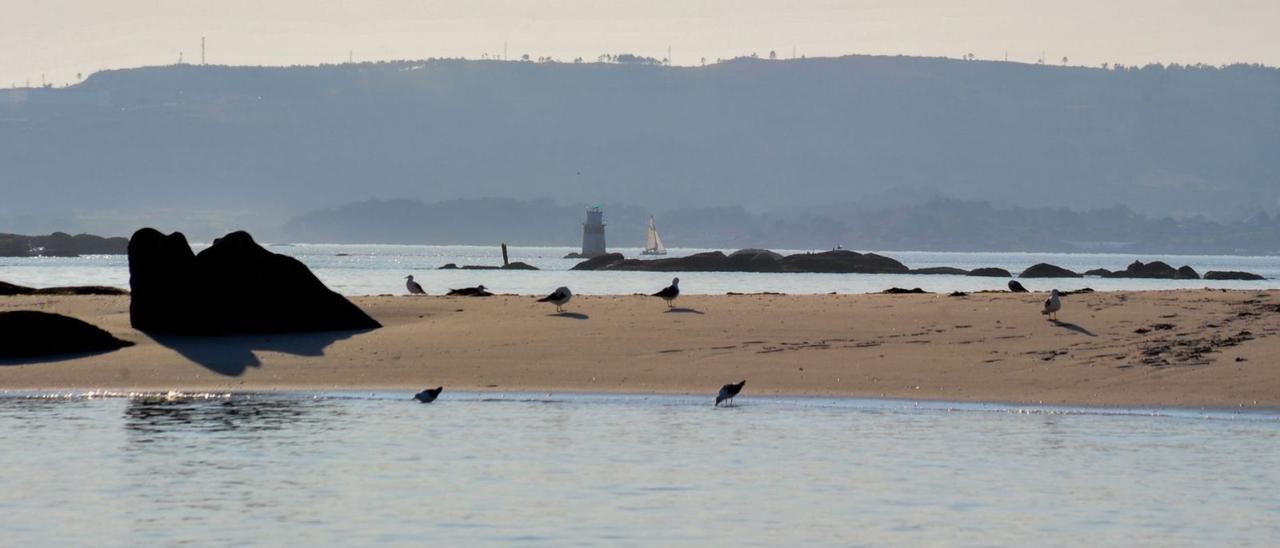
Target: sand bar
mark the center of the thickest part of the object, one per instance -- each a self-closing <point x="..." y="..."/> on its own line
<point x="1169" y="348"/>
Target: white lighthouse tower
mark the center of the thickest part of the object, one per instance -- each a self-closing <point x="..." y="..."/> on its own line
<point x="593" y="233"/>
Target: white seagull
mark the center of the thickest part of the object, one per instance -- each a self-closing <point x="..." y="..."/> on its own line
<point x="670" y="292"/>
<point x="413" y="287"/>
<point x="1052" y="305"/>
<point x="559" y="297"/>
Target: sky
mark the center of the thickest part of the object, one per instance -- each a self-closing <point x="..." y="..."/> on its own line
<point x="59" y="41"/>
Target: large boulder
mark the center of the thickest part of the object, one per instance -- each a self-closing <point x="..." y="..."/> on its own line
<point x="599" y="262"/>
<point x="710" y="261"/>
<point x="1231" y="275"/>
<point x="31" y="334"/>
<point x="234" y="286"/>
<point x="842" y="261"/>
<point x="1046" y="270"/>
<point x="1153" y="269"/>
<point x="991" y="272"/>
<point x="1185" y="272"/>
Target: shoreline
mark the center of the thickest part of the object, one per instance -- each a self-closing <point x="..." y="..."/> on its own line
<point x="1112" y="349"/>
<point x="470" y="394"/>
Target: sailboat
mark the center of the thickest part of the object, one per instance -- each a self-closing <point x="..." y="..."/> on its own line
<point x="652" y="242"/>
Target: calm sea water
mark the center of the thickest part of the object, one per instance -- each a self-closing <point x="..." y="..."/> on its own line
<point x="301" y="469"/>
<point x="378" y="269"/>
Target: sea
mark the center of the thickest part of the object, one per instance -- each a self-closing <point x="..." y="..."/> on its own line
<point x="380" y="269"/>
<point x="479" y="469"/>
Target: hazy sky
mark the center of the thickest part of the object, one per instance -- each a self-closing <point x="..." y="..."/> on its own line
<point x="60" y="38"/>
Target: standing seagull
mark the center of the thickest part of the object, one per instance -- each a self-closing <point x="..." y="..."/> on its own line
<point x="429" y="395"/>
<point x="670" y="293"/>
<point x="728" y="391"/>
<point x="559" y="297"/>
<point x="413" y="287"/>
<point x="1052" y="305"/>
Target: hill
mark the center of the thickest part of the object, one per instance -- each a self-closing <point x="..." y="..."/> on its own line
<point x="209" y="148"/>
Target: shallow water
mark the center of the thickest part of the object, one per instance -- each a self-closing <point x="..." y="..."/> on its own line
<point x="557" y="469"/>
<point x="379" y="269"/>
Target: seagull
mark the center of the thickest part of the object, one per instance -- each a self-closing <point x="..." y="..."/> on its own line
<point x="728" y="391"/>
<point x="1016" y="287"/>
<point x="477" y="291"/>
<point x="1052" y="305"/>
<point x="559" y="297"/>
<point x="429" y="395"/>
<point x="413" y="287"/>
<point x="670" y="293"/>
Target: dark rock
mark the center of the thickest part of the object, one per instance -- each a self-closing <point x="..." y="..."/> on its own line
<point x="11" y="289"/>
<point x="755" y="260"/>
<point x="1186" y="273"/>
<point x="1016" y="287"/>
<point x="958" y="294"/>
<point x="1100" y="272"/>
<point x="991" y="272"/>
<point x="598" y="263"/>
<point x="901" y="291"/>
<point x="60" y="244"/>
<point x="1046" y="270"/>
<point x="711" y="261"/>
<point x="518" y="266"/>
<point x="82" y="290"/>
<point x="835" y="262"/>
<point x="234" y="286"/>
<point x="31" y="334"/>
<point x="1152" y="270"/>
<point x="842" y="262"/>
<point x="753" y="253"/>
<point x="941" y="270"/>
<point x="1076" y="292"/>
<point x="1231" y="275"/>
<point x="448" y="266"/>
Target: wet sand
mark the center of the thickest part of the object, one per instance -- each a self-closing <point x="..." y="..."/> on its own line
<point x="1168" y="348"/>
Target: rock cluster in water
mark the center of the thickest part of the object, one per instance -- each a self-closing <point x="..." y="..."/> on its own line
<point x="850" y="262"/>
<point x="1151" y="270"/>
<point x="234" y="286"/>
<point x="757" y="260"/>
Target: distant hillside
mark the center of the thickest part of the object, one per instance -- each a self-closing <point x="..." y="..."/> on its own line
<point x="208" y="148"/>
<point x="936" y="225"/>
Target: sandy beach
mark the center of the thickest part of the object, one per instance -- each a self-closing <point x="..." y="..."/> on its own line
<point x="1169" y="348"/>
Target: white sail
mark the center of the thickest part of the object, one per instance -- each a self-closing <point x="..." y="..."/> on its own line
<point x="653" y="242"/>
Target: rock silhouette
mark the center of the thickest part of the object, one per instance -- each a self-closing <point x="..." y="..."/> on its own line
<point x="1046" y="270"/>
<point x="31" y="334"/>
<point x="234" y="286"/>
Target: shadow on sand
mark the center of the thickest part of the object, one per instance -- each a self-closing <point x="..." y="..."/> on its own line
<point x="679" y="310"/>
<point x="570" y="315"/>
<point x="1073" y="327"/>
<point x="53" y="358"/>
<point x="230" y="355"/>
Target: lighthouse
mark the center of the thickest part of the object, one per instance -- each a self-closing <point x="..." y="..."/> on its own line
<point x="593" y="233"/>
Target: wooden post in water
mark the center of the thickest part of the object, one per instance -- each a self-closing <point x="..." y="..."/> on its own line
<point x="504" y="254"/>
